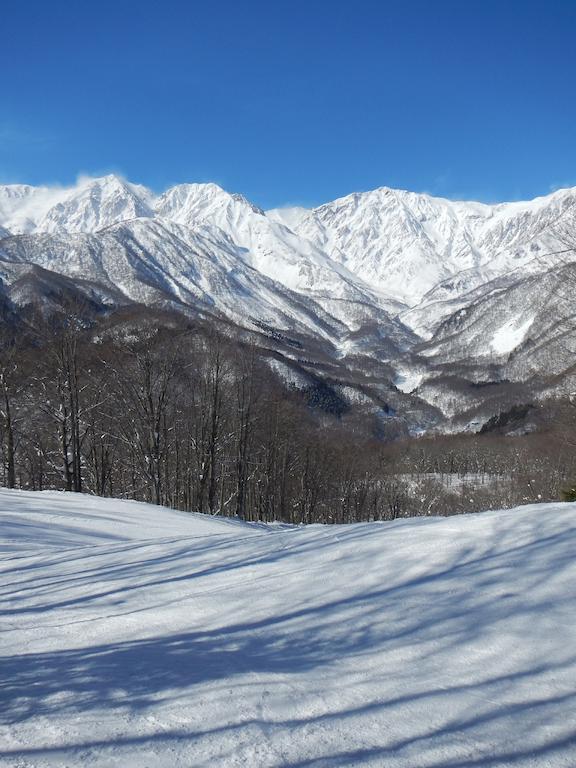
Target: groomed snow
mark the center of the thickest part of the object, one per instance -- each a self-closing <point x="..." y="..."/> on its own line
<point x="134" y="636"/>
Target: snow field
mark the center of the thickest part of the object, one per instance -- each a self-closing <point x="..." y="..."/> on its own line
<point x="137" y="636"/>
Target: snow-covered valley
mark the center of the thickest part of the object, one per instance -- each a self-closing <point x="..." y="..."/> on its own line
<point x="137" y="636"/>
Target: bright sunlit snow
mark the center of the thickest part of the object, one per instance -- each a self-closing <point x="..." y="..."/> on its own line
<point x="134" y="636"/>
<point x="407" y="380"/>
<point x="510" y="335"/>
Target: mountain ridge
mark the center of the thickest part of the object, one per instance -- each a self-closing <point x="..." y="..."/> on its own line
<point x="420" y="283"/>
<point x="398" y="244"/>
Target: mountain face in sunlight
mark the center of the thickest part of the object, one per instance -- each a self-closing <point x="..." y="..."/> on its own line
<point x="430" y="291"/>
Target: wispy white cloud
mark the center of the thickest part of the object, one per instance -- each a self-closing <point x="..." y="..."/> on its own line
<point x="566" y="184"/>
<point x="85" y="176"/>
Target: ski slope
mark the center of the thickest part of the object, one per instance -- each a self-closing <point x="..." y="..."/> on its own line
<point x="138" y="637"/>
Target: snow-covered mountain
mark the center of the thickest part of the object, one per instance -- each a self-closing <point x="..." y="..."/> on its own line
<point x="95" y="205"/>
<point x="195" y="240"/>
<point x="86" y="207"/>
<point x="154" y="261"/>
<point x="524" y="327"/>
<point x="273" y="249"/>
<point x="371" y="275"/>
<point x="406" y="244"/>
<point x="410" y="248"/>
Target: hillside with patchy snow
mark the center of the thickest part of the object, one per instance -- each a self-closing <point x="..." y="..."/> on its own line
<point x="137" y="636"/>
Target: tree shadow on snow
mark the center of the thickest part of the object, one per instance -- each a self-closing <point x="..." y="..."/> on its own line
<point x="136" y="675"/>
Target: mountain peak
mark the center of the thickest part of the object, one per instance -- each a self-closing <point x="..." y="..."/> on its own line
<point x="399" y="243"/>
<point x="188" y="203"/>
<point x="108" y="179"/>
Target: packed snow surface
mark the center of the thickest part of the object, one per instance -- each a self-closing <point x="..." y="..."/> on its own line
<point x="134" y="636"/>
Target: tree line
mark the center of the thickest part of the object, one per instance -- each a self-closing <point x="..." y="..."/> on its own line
<point x="186" y="416"/>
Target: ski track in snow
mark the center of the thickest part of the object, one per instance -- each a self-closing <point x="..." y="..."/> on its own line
<point x="136" y="636"/>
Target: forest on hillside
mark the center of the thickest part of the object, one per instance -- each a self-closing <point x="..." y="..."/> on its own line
<point x="184" y="415"/>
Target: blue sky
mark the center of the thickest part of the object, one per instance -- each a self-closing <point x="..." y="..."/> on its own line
<point x="293" y="102"/>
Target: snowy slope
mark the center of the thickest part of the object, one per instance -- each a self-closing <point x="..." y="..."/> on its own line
<point x="85" y="207"/>
<point x="26" y="284"/>
<point x="95" y="204"/>
<point x="136" y="636"/>
<point x="406" y="243"/>
<point x="23" y="206"/>
<point x="182" y="236"/>
<point x="527" y="326"/>
<point x="155" y="260"/>
<point x="271" y="247"/>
